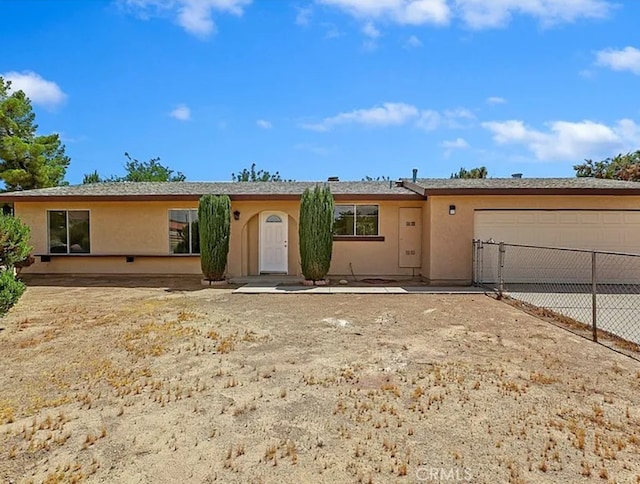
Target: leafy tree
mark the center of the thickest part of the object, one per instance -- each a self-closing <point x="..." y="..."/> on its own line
<point x="251" y="175"/>
<point x="316" y="232"/>
<point x="378" y="178"/>
<point x="10" y="290"/>
<point x="214" y="217"/>
<point x="14" y="241"/>
<point x="14" y="249"/>
<point x="27" y="160"/>
<point x="620" y="167"/>
<point x="139" y="171"/>
<point x="92" y="178"/>
<point x="480" y="172"/>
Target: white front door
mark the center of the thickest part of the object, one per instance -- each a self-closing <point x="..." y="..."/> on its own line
<point x="273" y="242"/>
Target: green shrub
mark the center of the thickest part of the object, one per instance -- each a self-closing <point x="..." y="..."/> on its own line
<point x="10" y="290"/>
<point x="14" y="241"/>
<point x="316" y="232"/>
<point x="214" y="219"/>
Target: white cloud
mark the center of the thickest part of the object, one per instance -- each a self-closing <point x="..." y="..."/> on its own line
<point x="389" y="114"/>
<point x="370" y="30"/>
<point x="303" y="17"/>
<point x="480" y="14"/>
<point x="411" y="12"/>
<point x="195" y="16"/>
<point x="413" y="42"/>
<point x="458" y="143"/>
<point x="496" y="100"/>
<point x="38" y="90"/>
<point x="477" y="14"/>
<point x="627" y="59"/>
<point x="181" y="113"/>
<point x="332" y="32"/>
<point x="397" y="114"/>
<point x="429" y="120"/>
<point x="264" y="124"/>
<point x="565" y="140"/>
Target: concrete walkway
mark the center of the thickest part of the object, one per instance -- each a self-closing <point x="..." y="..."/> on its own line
<point x="261" y="288"/>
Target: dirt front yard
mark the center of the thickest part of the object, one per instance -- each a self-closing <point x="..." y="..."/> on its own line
<point x="175" y="383"/>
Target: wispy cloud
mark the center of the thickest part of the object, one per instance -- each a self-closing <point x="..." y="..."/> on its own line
<point x="195" y="16"/>
<point x="451" y="145"/>
<point x="627" y="59"/>
<point x="39" y="90"/>
<point x="264" y="124"/>
<point x="314" y="149"/>
<point x="181" y="113"/>
<point x="482" y="14"/>
<point x="495" y="100"/>
<point x="303" y="16"/>
<point x="477" y="14"/>
<point x="413" y="42"/>
<point x="458" y="144"/>
<point x="389" y="114"/>
<point x="370" y="30"/>
<point x="396" y="114"/>
<point x="408" y="12"/>
<point x="566" y="140"/>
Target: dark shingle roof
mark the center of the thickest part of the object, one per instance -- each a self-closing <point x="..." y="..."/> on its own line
<point x="196" y="189"/>
<point x="342" y="190"/>
<point x="576" y="185"/>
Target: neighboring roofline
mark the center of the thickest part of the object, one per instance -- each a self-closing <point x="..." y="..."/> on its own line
<point x="431" y="192"/>
<point x="183" y="197"/>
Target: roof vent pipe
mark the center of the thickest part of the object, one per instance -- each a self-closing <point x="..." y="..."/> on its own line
<point x="415" y="174"/>
<point x="516" y="175"/>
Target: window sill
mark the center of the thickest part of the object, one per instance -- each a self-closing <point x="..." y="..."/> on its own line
<point x="128" y="257"/>
<point x="358" y="238"/>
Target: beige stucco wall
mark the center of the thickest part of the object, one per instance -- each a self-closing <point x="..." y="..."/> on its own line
<point x="142" y="228"/>
<point x="133" y="228"/>
<point x="374" y="258"/>
<point x="449" y="254"/>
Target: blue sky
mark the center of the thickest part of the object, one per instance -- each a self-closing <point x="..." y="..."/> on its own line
<point x="318" y="88"/>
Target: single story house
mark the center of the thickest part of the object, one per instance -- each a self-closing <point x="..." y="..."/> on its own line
<point x="407" y="228"/>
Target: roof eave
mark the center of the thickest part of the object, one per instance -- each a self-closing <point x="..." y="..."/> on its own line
<point x="184" y="197"/>
<point x="532" y="191"/>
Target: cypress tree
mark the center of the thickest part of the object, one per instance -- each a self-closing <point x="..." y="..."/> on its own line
<point x="214" y="219"/>
<point x="316" y="232"/>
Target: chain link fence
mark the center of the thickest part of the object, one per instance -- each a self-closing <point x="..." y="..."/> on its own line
<point x="595" y="291"/>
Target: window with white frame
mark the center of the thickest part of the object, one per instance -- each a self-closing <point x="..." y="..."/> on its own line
<point x="69" y="232"/>
<point x="356" y="220"/>
<point x="184" y="237"/>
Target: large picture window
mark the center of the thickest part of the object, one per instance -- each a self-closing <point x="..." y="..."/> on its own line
<point x="69" y="232"/>
<point x="356" y="220"/>
<point x="184" y="237"/>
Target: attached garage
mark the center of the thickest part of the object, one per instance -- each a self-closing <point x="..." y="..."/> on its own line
<point x="530" y="230"/>
<point x="585" y="213"/>
<point x="608" y="230"/>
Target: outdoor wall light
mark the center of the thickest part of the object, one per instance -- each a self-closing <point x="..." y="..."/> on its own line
<point x="452" y="209"/>
<point x="236" y="215"/>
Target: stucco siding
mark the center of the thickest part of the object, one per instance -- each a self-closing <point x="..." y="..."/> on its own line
<point x="451" y="235"/>
<point x="374" y="258"/>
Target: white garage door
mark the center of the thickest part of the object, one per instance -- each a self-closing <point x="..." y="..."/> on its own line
<point x="617" y="231"/>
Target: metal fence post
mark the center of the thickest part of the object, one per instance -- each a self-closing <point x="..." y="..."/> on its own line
<point x="501" y="251"/>
<point x="480" y="262"/>
<point x="594" y="291"/>
<point x="473" y="262"/>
